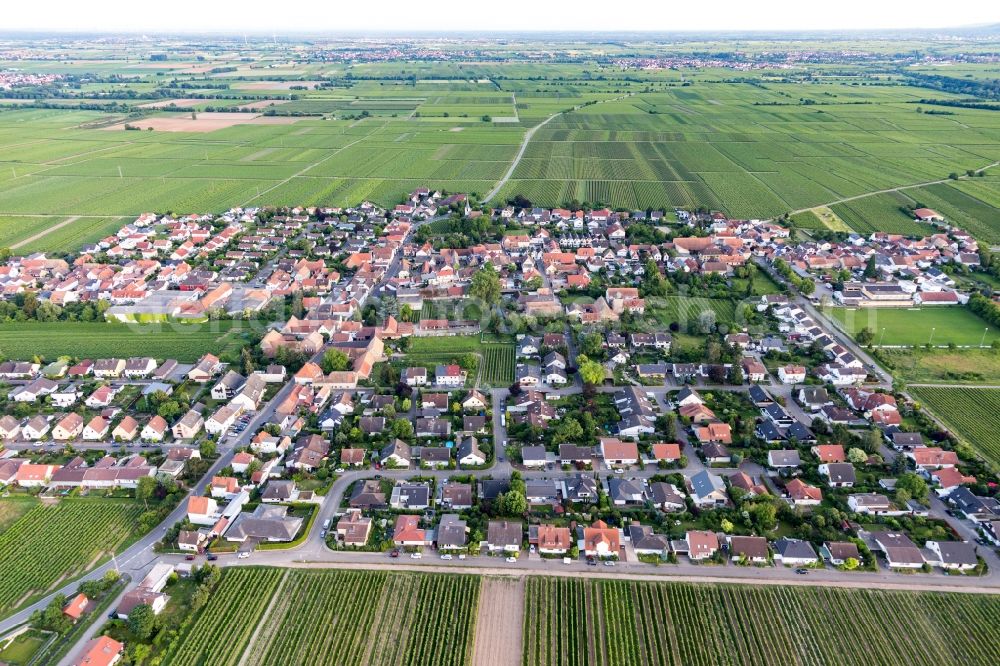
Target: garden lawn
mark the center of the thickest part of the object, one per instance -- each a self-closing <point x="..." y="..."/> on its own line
<point x="917" y="326"/>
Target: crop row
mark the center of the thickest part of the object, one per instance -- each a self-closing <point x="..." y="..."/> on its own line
<point x="263" y="616"/>
<point x="974" y="413"/>
<point x="53" y="542"/>
<point x="498" y="365"/>
<point x="623" y="623"/>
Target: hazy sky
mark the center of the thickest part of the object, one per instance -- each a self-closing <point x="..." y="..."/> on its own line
<point x="448" y="15"/>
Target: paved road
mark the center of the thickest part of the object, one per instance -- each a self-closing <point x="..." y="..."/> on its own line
<point x="884" y="378"/>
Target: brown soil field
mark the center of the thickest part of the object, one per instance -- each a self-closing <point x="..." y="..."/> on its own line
<point x="205" y="122"/>
<point x="499" y="622"/>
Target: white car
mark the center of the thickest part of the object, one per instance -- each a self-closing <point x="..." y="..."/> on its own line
<point x="461" y="556"/>
<point x="339" y="470"/>
<point x="446" y="557"/>
<point x="609" y="563"/>
<point x="415" y="556"/>
<point x="243" y="555"/>
<point x="512" y="559"/>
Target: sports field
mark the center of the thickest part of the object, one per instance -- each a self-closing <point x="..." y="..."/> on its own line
<point x="914" y="327"/>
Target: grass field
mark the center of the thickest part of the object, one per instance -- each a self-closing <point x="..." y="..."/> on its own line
<point x="944" y="365"/>
<point x="50" y="543"/>
<point x="187" y="342"/>
<point x="576" y="622"/>
<point x="973" y="413"/>
<point x="312" y="618"/>
<point x="915" y="327"/>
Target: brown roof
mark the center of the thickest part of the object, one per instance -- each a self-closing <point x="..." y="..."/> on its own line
<point x="749" y="546"/>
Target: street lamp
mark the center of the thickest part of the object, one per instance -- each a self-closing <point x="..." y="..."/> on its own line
<point x="930" y="339"/>
<point x="983" y="341"/>
<point x="881" y="337"/>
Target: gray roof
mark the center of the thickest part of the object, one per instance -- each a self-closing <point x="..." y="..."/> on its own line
<point x="794" y="548"/>
<point x="704" y="484"/>
<point x="529" y="453"/>
<point x="957" y="552"/>
<point x="626" y="490"/>
<point x="451" y="531"/>
<point x="505" y="533"/>
<point x="267" y="522"/>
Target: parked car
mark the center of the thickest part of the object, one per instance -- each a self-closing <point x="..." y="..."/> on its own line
<point x="212" y="557"/>
<point x="189" y="557"/>
<point x="446" y="557"/>
<point x="394" y="553"/>
<point x="511" y="558"/>
<point x="415" y="556"/>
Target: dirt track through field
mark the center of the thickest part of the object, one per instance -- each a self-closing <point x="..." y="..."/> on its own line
<point x="45" y="232"/>
<point x="499" y="622"/>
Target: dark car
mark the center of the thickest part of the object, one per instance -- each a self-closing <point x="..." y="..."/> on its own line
<point x="189" y="557"/>
<point x="801" y="571"/>
<point x="394" y="553"/>
<point x="212" y="558"/>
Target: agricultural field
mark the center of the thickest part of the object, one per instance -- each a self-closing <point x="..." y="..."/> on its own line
<point x="51" y="543"/>
<point x="621" y="623"/>
<point x="309" y="618"/>
<point x="913" y="327"/>
<point x="184" y="342"/>
<point x="338" y="134"/>
<point x="498" y="364"/>
<point x="972" y="413"/>
<point x="882" y="212"/>
<point x="944" y="366"/>
<point x="693" y="311"/>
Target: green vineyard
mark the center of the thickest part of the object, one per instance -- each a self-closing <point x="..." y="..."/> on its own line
<point x="261" y="616"/>
<point x="498" y="365"/>
<point x="623" y="623"/>
<point x="973" y="413"/>
<point x="50" y="543"/>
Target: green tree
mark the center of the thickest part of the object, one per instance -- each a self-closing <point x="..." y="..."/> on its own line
<point x="402" y="429"/>
<point x="914" y="484"/>
<point x="334" y="360"/>
<point x="865" y="336"/>
<point x="591" y="372"/>
<point x="141" y="621"/>
<point x="870" y="270"/>
<point x="207" y="449"/>
<point x="872" y="441"/>
<point x="851" y="563"/>
<point x="144" y="490"/>
<point x="513" y="503"/>
<point x="246" y="360"/>
<point x="567" y="430"/>
<point x="486" y="285"/>
<point x="857" y="456"/>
